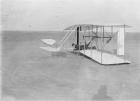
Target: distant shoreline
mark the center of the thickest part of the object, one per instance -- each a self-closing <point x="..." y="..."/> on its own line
<point x="49" y="31"/>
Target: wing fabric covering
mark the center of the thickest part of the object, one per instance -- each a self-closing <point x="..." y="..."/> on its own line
<point x="48" y="41"/>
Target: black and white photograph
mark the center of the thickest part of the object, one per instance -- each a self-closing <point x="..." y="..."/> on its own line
<point x="70" y="50"/>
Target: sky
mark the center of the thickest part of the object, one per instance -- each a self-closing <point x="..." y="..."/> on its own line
<point x="58" y="14"/>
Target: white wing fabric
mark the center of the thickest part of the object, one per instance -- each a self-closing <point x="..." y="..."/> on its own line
<point x="48" y="41"/>
<point x="50" y="48"/>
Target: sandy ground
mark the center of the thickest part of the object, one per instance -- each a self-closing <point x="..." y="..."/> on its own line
<point x="30" y="73"/>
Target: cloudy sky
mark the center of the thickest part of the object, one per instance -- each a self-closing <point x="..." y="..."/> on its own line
<point x="58" y="14"/>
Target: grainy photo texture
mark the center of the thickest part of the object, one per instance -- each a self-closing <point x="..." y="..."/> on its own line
<point x="70" y="50"/>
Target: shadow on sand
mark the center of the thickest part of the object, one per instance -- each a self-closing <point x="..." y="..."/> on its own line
<point x="59" y="54"/>
<point x="102" y="94"/>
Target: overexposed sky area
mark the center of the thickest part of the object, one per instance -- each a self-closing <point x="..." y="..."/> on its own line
<point x="59" y="14"/>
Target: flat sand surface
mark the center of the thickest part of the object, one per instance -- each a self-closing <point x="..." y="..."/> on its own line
<point x="30" y="73"/>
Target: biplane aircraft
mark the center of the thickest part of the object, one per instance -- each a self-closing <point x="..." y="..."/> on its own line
<point x="92" y="41"/>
